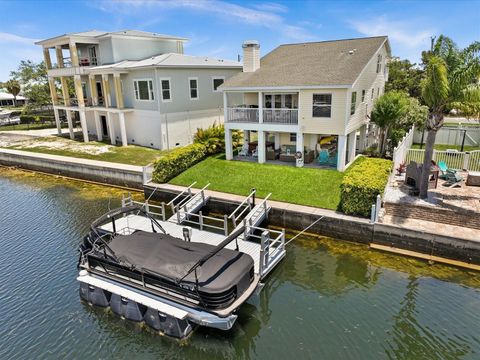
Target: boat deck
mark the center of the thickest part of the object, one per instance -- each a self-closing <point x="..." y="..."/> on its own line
<point x="137" y="222"/>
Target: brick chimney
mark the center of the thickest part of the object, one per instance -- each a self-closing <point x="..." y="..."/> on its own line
<point x="251" y="55"/>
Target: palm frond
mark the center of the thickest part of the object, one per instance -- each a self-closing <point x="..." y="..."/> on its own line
<point x="435" y="86"/>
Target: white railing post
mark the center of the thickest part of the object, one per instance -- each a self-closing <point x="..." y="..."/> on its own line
<point x="163" y="211"/>
<point x="200" y="219"/>
<point x="372" y="214"/>
<point x="378" y="206"/>
<point x="147" y="207"/>
<point x="225" y="224"/>
<point x="466" y="160"/>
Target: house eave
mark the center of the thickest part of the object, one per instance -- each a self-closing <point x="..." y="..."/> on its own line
<point x="282" y="88"/>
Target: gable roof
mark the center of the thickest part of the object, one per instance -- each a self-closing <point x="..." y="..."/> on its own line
<point x="325" y="63"/>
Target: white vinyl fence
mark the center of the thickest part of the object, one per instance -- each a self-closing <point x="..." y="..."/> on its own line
<point x="447" y="135"/>
<point x="454" y="160"/>
<point x="401" y="150"/>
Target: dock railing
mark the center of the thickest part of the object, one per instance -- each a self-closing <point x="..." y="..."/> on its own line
<point x="207" y="222"/>
<point x="247" y="204"/>
<point x="187" y="193"/>
<point x="152" y="209"/>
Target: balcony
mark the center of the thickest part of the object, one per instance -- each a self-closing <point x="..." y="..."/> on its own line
<point x="270" y="116"/>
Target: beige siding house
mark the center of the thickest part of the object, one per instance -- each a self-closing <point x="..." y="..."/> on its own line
<point x="134" y="87"/>
<point x="306" y="104"/>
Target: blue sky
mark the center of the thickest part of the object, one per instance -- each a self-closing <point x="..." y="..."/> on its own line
<point x="217" y="28"/>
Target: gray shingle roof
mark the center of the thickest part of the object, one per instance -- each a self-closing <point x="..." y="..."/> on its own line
<point x="308" y="64"/>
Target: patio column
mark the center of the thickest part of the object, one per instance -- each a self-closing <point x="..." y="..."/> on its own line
<point x="57" y="121"/>
<point x="118" y="91"/>
<point x="110" y="128"/>
<point x="260" y="108"/>
<point x="70" y="124"/>
<point x="83" y="123"/>
<point x="341" y="152"/>
<point x="362" y="138"/>
<point x="299" y="149"/>
<point x="98" y="125"/>
<point x="73" y="54"/>
<point x="352" y="144"/>
<point x="48" y="59"/>
<point x="79" y="91"/>
<point x="66" y="95"/>
<point x="228" y="144"/>
<point x="93" y="89"/>
<point x="123" y="129"/>
<point x="225" y="107"/>
<point x="106" y="91"/>
<point x="59" y="54"/>
<point x="261" y="147"/>
<point x="277" y="140"/>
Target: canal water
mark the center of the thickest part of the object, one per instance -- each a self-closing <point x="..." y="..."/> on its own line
<point x="328" y="300"/>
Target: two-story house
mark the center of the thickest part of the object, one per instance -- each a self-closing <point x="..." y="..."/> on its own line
<point x="305" y="103"/>
<point x="134" y="87"/>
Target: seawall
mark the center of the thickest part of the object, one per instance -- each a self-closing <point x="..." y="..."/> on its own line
<point x="99" y="171"/>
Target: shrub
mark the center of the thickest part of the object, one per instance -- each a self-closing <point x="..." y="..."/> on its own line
<point x="28" y="119"/>
<point x="177" y="161"/>
<point x="46" y="118"/>
<point x="363" y="181"/>
<point x="213" y="138"/>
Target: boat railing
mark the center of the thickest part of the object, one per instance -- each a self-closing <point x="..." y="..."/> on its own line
<point x="246" y="204"/>
<point x="152" y="209"/>
<point x="272" y="247"/>
<point x="183" y="205"/>
<point x="187" y="194"/>
<point x="206" y="222"/>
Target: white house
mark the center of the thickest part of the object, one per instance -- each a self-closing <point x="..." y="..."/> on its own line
<point x="306" y="103"/>
<point x="134" y="87"/>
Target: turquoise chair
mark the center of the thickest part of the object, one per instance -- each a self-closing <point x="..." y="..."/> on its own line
<point x="323" y="158"/>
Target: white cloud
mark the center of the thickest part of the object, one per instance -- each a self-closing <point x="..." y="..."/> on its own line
<point x="263" y="15"/>
<point x="15" y="48"/>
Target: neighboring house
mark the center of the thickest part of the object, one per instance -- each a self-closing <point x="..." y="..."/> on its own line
<point x="306" y="102"/>
<point x="134" y="87"/>
<point x="7" y="99"/>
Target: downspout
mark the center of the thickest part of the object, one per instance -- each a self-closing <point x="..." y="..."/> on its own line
<point x="157" y="87"/>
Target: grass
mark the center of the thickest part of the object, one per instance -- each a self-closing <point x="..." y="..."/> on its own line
<point x="131" y="154"/>
<point x="28" y="127"/>
<point x="304" y="186"/>
<point x="441" y="147"/>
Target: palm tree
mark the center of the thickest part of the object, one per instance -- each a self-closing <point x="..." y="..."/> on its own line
<point x="452" y="80"/>
<point x="388" y="109"/>
<point x="13" y="87"/>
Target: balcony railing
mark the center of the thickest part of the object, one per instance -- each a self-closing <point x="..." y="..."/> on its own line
<point x="270" y="116"/>
<point x="280" y="116"/>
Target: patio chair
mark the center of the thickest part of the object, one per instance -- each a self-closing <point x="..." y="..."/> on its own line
<point x="244" y="150"/>
<point x="453" y="179"/>
<point x="255" y="152"/>
<point x="323" y="157"/>
<point x="442" y="165"/>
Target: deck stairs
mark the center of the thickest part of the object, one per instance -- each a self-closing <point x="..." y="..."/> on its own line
<point x="190" y="204"/>
<point x="256" y="215"/>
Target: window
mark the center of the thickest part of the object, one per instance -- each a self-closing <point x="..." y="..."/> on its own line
<point x="288" y="101"/>
<point x="193" y="84"/>
<point x="353" y="103"/>
<point x="216" y="82"/>
<point x="293" y="137"/>
<point x="166" y="90"/>
<point x="379" y="63"/>
<point x="322" y="105"/>
<point x="143" y="90"/>
<point x="378" y="92"/>
<point x="268" y="101"/>
<point x="373" y="92"/>
<point x="363" y="95"/>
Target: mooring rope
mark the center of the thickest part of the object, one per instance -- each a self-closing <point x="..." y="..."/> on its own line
<point x="301" y="232"/>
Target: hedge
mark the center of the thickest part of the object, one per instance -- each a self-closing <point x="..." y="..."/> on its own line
<point x="363" y="181"/>
<point x="177" y="161"/>
<point x="27" y="119"/>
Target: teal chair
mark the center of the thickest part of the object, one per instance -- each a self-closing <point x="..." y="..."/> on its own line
<point x="442" y="165"/>
<point x="323" y="158"/>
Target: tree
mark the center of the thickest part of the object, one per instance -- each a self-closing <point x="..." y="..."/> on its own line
<point x="13" y="87"/>
<point x="404" y="76"/>
<point x="452" y="80"/>
<point x="34" y="80"/>
<point x="387" y="111"/>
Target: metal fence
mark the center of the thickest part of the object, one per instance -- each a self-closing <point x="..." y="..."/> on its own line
<point x="454" y="159"/>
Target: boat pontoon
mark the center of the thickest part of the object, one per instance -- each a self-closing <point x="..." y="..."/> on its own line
<point x="179" y="272"/>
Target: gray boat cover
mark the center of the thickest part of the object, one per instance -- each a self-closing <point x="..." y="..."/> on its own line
<point x="172" y="257"/>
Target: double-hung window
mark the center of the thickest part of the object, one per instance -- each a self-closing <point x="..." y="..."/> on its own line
<point x="353" y="103"/>
<point x="143" y="90"/>
<point x="363" y="95"/>
<point x="322" y="105"/>
<point x="379" y="63"/>
<point x="216" y="82"/>
<point x="166" y="89"/>
<point x="193" y="85"/>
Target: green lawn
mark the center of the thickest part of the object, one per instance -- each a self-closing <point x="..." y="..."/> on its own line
<point x="132" y="154"/>
<point x="445" y="147"/>
<point x="305" y="186"/>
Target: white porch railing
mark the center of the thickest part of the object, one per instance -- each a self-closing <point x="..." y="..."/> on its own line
<point x="280" y="116"/>
<point x="240" y="114"/>
<point x="400" y="151"/>
<point x="455" y="160"/>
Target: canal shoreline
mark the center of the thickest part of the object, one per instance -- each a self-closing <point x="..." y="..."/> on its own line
<point x="388" y="237"/>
